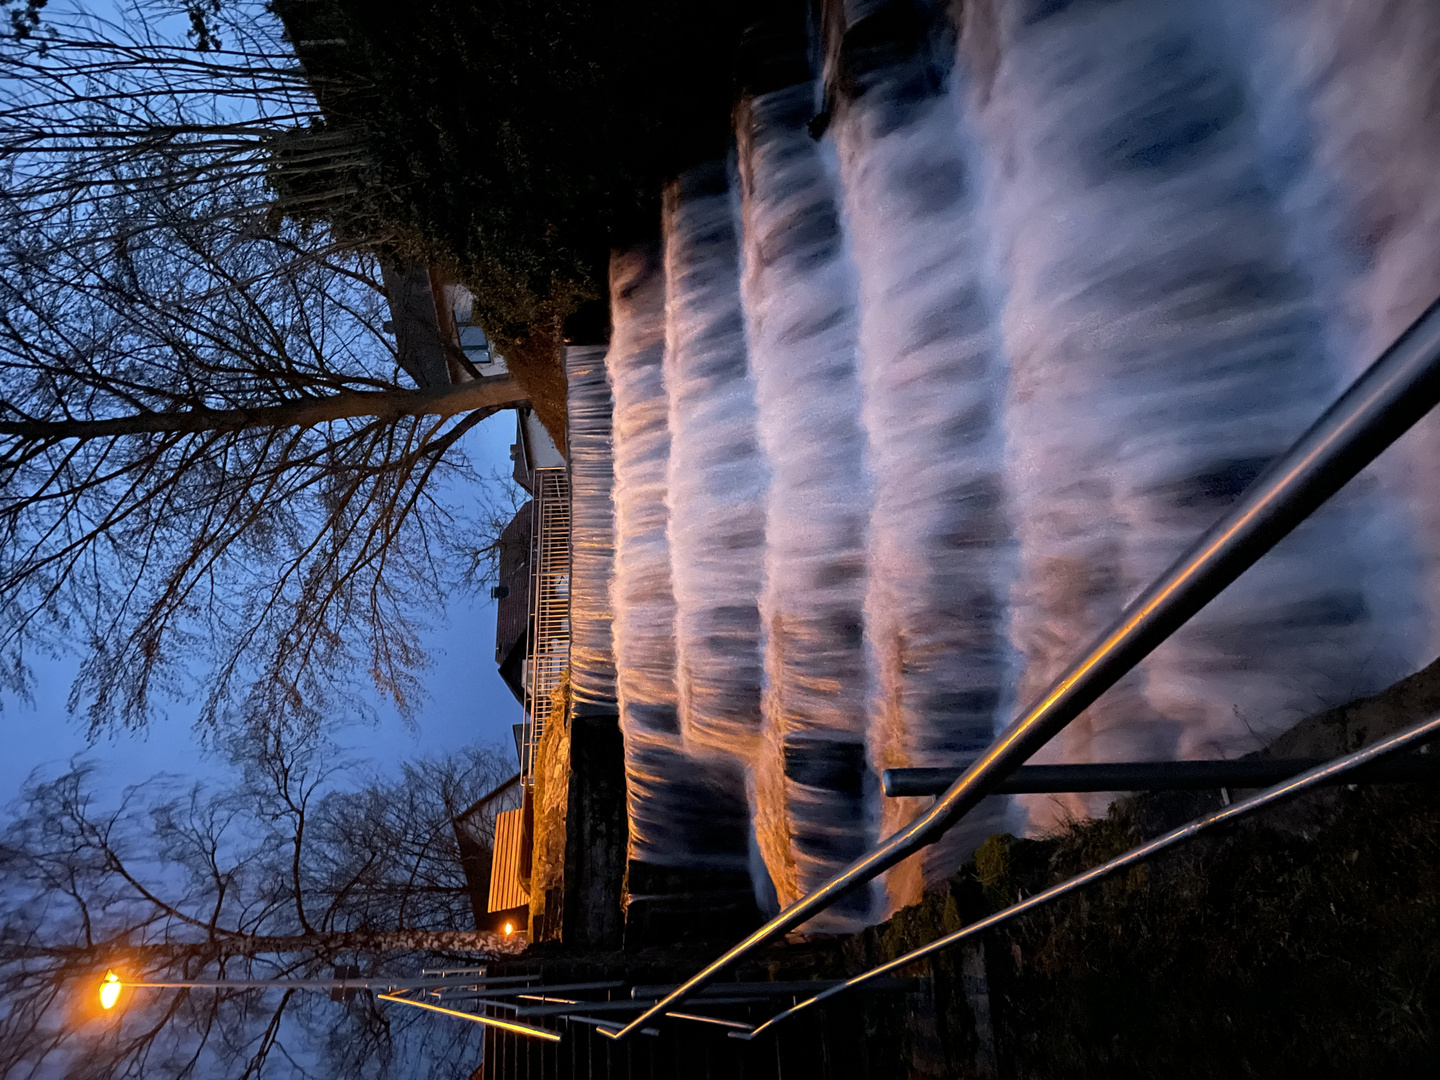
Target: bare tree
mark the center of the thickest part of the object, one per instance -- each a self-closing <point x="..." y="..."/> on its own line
<point x="284" y="876"/>
<point x="89" y="103"/>
<point x="215" y="480"/>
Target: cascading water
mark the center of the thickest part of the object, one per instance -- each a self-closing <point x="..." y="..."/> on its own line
<point x="1359" y="93"/>
<point x="932" y="373"/>
<point x="682" y="812"/>
<point x="799" y="294"/>
<point x="999" y="342"/>
<point x="717" y="477"/>
<point x="1158" y="323"/>
<point x="1059" y="478"/>
<point x="592" y="530"/>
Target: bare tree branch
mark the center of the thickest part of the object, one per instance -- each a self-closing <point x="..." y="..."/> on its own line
<point x="175" y="887"/>
<point x="214" y="478"/>
<point x="489" y="394"/>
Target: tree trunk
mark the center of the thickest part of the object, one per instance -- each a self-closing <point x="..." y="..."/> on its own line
<point x="492" y="393"/>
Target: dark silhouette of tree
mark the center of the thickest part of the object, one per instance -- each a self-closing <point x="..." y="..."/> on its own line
<point x="215" y="481"/>
<point x="283" y="876"/>
<point x="90" y="104"/>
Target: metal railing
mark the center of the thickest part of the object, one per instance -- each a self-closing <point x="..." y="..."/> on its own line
<point x="528" y="1002"/>
<point x="549" y="606"/>
<point x="1155" y="776"/>
<point x="1331" y="772"/>
<point x="1380" y="406"/>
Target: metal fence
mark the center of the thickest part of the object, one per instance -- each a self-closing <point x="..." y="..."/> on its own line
<point x="549" y="606"/>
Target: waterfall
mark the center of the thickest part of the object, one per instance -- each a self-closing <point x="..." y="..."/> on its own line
<point x="682" y="812"/>
<point x="799" y="296"/>
<point x="592" y="529"/>
<point x="717" y="476"/>
<point x="1165" y="345"/>
<point x="961" y="351"/>
<point x="1355" y="92"/>
<point x="932" y="372"/>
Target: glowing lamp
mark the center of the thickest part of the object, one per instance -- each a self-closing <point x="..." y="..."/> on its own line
<point x="110" y="990"/>
<point x="509" y="928"/>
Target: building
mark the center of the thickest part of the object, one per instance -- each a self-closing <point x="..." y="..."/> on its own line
<point x="436" y="343"/>
<point x="494" y="885"/>
<point x="532" y="635"/>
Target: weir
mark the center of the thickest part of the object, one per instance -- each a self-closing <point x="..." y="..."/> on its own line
<point x="932" y="375"/>
<point x="978" y="327"/>
<point x="717" y="476"/>
<point x="799" y="291"/>
<point x="1166" y="342"/>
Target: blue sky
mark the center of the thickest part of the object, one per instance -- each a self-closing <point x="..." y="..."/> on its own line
<point x="467" y="704"/>
<point x="467" y="701"/>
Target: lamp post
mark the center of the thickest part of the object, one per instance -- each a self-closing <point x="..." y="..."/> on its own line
<point x="388" y="990"/>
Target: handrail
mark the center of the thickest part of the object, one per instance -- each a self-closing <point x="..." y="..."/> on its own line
<point x="1327" y="773"/>
<point x="1380" y="406"/>
<point x="549" y="618"/>
<point x="1156" y="775"/>
<point x="476" y="1018"/>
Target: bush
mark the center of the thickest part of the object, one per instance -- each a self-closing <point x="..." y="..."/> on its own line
<point x="1278" y="950"/>
<point x="515" y="142"/>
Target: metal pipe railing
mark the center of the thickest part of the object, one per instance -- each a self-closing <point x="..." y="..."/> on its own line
<point x="1380" y="406"/>
<point x="608" y="1028"/>
<point x="1157" y="775"/>
<point x="1330" y="772"/>
<point x="467" y="992"/>
<point x="475" y="1018"/>
<point x="761" y="990"/>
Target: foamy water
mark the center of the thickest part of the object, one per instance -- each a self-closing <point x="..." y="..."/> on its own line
<point x="1354" y="94"/>
<point x="980" y="361"/>
<point x="1165" y="344"/>
<point x="800" y="304"/>
<point x="717" y="476"/>
<point x="592" y="530"/>
<point x="932" y="374"/>
<point x="682" y="812"/>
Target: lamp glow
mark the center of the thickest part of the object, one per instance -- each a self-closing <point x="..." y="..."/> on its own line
<point x="509" y="928"/>
<point x="110" y="990"/>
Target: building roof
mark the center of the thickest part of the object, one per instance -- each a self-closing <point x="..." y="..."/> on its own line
<point x="533" y="449"/>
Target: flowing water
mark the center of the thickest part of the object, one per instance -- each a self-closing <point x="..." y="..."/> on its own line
<point x="799" y="290"/>
<point x="933" y="381"/>
<point x="962" y="362"/>
<point x="682" y="811"/>
<point x="717" y="475"/>
<point x="1358" y="90"/>
<point x="592" y="528"/>
<point x="1165" y="343"/>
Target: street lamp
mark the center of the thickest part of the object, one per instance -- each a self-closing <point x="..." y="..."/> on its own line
<point x="110" y="990"/>
<point x="390" y="990"/>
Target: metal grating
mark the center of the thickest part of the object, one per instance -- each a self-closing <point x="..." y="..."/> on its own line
<point x="549" y="606"/>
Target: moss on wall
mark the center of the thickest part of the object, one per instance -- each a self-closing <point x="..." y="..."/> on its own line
<point x="550" y="797"/>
